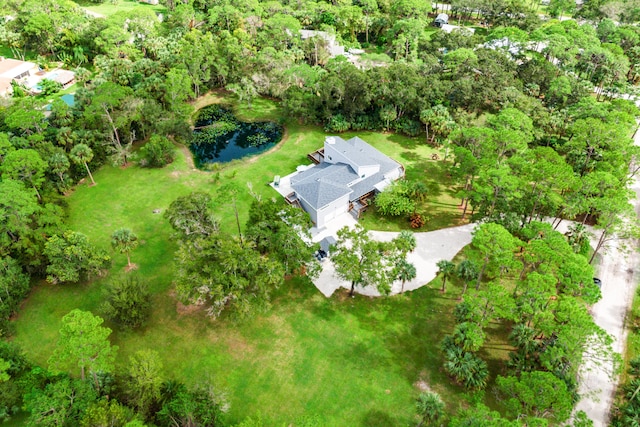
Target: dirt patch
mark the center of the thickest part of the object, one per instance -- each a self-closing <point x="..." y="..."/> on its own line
<point x="238" y="346"/>
<point x="186" y="309"/>
<point x="188" y="155"/>
<point x="422" y="384"/>
<point x="131" y="267"/>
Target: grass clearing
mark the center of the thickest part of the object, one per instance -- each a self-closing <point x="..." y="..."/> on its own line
<point x="337" y="359"/>
<point x="109" y="8"/>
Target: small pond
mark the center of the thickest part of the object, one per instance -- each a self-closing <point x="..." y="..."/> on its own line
<point x="219" y="136"/>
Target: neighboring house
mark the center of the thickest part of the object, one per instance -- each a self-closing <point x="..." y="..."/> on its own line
<point x="347" y="173"/>
<point x="14" y="69"/>
<point x="448" y="28"/>
<point x="441" y="19"/>
<point x="150" y="1"/>
<point x="332" y="44"/>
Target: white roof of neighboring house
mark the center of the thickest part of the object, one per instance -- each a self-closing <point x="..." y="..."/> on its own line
<point x="447" y="28"/>
<point x="334" y="48"/>
<point x="5" y="85"/>
<point x="12" y="68"/>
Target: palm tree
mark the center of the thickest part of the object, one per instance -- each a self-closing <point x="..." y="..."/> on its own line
<point x="59" y="164"/>
<point x="466" y="368"/>
<point x="467" y="271"/>
<point x="430" y="408"/>
<point x="82" y="154"/>
<point x="124" y="241"/>
<point x="406" y="271"/>
<point x="447" y="268"/>
<point x="406" y="241"/>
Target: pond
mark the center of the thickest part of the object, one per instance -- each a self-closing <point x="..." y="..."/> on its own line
<point x="219" y="136"/>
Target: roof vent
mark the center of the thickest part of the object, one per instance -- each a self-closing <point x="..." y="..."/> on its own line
<point x="331" y="140"/>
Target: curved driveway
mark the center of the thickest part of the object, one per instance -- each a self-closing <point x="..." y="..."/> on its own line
<point x="431" y="247"/>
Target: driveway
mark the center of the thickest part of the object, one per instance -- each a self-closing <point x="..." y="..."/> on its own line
<point x="431" y="247"/>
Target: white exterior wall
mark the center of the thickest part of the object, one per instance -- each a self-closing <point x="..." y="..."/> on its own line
<point x="308" y="209"/>
<point x="329" y="212"/>
<point x="367" y="170"/>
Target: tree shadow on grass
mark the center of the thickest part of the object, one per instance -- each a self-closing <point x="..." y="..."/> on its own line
<point x="375" y="418"/>
<point x="405" y="141"/>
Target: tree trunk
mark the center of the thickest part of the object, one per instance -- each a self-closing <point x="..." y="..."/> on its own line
<point x="464" y="289"/>
<point x="128" y="260"/>
<point x="601" y="241"/>
<point x="444" y="282"/>
<point x="486" y="260"/>
<point x="89" y="172"/>
<point x="37" y="193"/>
<point x="235" y="208"/>
<point x="82" y="373"/>
<point x="353" y="287"/>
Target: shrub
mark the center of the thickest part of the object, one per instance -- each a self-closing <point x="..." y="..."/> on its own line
<point x="416" y="220"/>
<point x="158" y="152"/>
<point x="337" y="123"/>
<point x="128" y="302"/>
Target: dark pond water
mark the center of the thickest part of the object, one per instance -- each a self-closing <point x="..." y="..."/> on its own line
<point x="220" y="137"/>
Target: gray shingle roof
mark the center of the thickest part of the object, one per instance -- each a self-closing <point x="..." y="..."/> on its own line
<point x="323" y="183"/>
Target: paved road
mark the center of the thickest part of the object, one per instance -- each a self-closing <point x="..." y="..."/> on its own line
<point x="619" y="275"/>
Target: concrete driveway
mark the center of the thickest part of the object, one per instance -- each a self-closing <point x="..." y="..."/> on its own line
<point x="432" y="247"/>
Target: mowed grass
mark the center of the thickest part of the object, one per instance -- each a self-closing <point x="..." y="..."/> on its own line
<point x="344" y="361"/>
<point x="109" y="8"/>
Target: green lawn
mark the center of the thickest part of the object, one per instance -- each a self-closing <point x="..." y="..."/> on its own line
<point x="345" y="361"/>
<point x="109" y="8"/>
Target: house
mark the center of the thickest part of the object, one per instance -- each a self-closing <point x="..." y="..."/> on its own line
<point x="333" y="46"/>
<point x="441" y="20"/>
<point x="347" y="173"/>
<point x="150" y="1"/>
<point x="14" y="69"/>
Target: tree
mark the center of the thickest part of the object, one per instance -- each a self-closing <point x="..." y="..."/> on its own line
<point x="128" y="301"/>
<point x="536" y="394"/>
<point x="201" y="406"/>
<point x="124" y="241"/>
<point x="62" y="401"/>
<point x="226" y="274"/>
<point x="114" y="108"/>
<point x="59" y="165"/>
<point x="466" y="368"/>
<point x="105" y="412"/>
<point x="496" y="247"/>
<point x="191" y="217"/>
<point x="405" y="271"/>
<point x="145" y="379"/>
<point x="438" y="120"/>
<point x="85" y="344"/>
<point x="446" y="268"/>
<point x="158" y="152"/>
<point x="82" y="154"/>
<point x="281" y="232"/>
<point x="14" y="286"/>
<point x="363" y="261"/>
<point x="430" y="408"/>
<point x="24" y="165"/>
<point x="395" y="200"/>
<point x="245" y="91"/>
<point x="468" y="271"/>
<point x="71" y="256"/>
